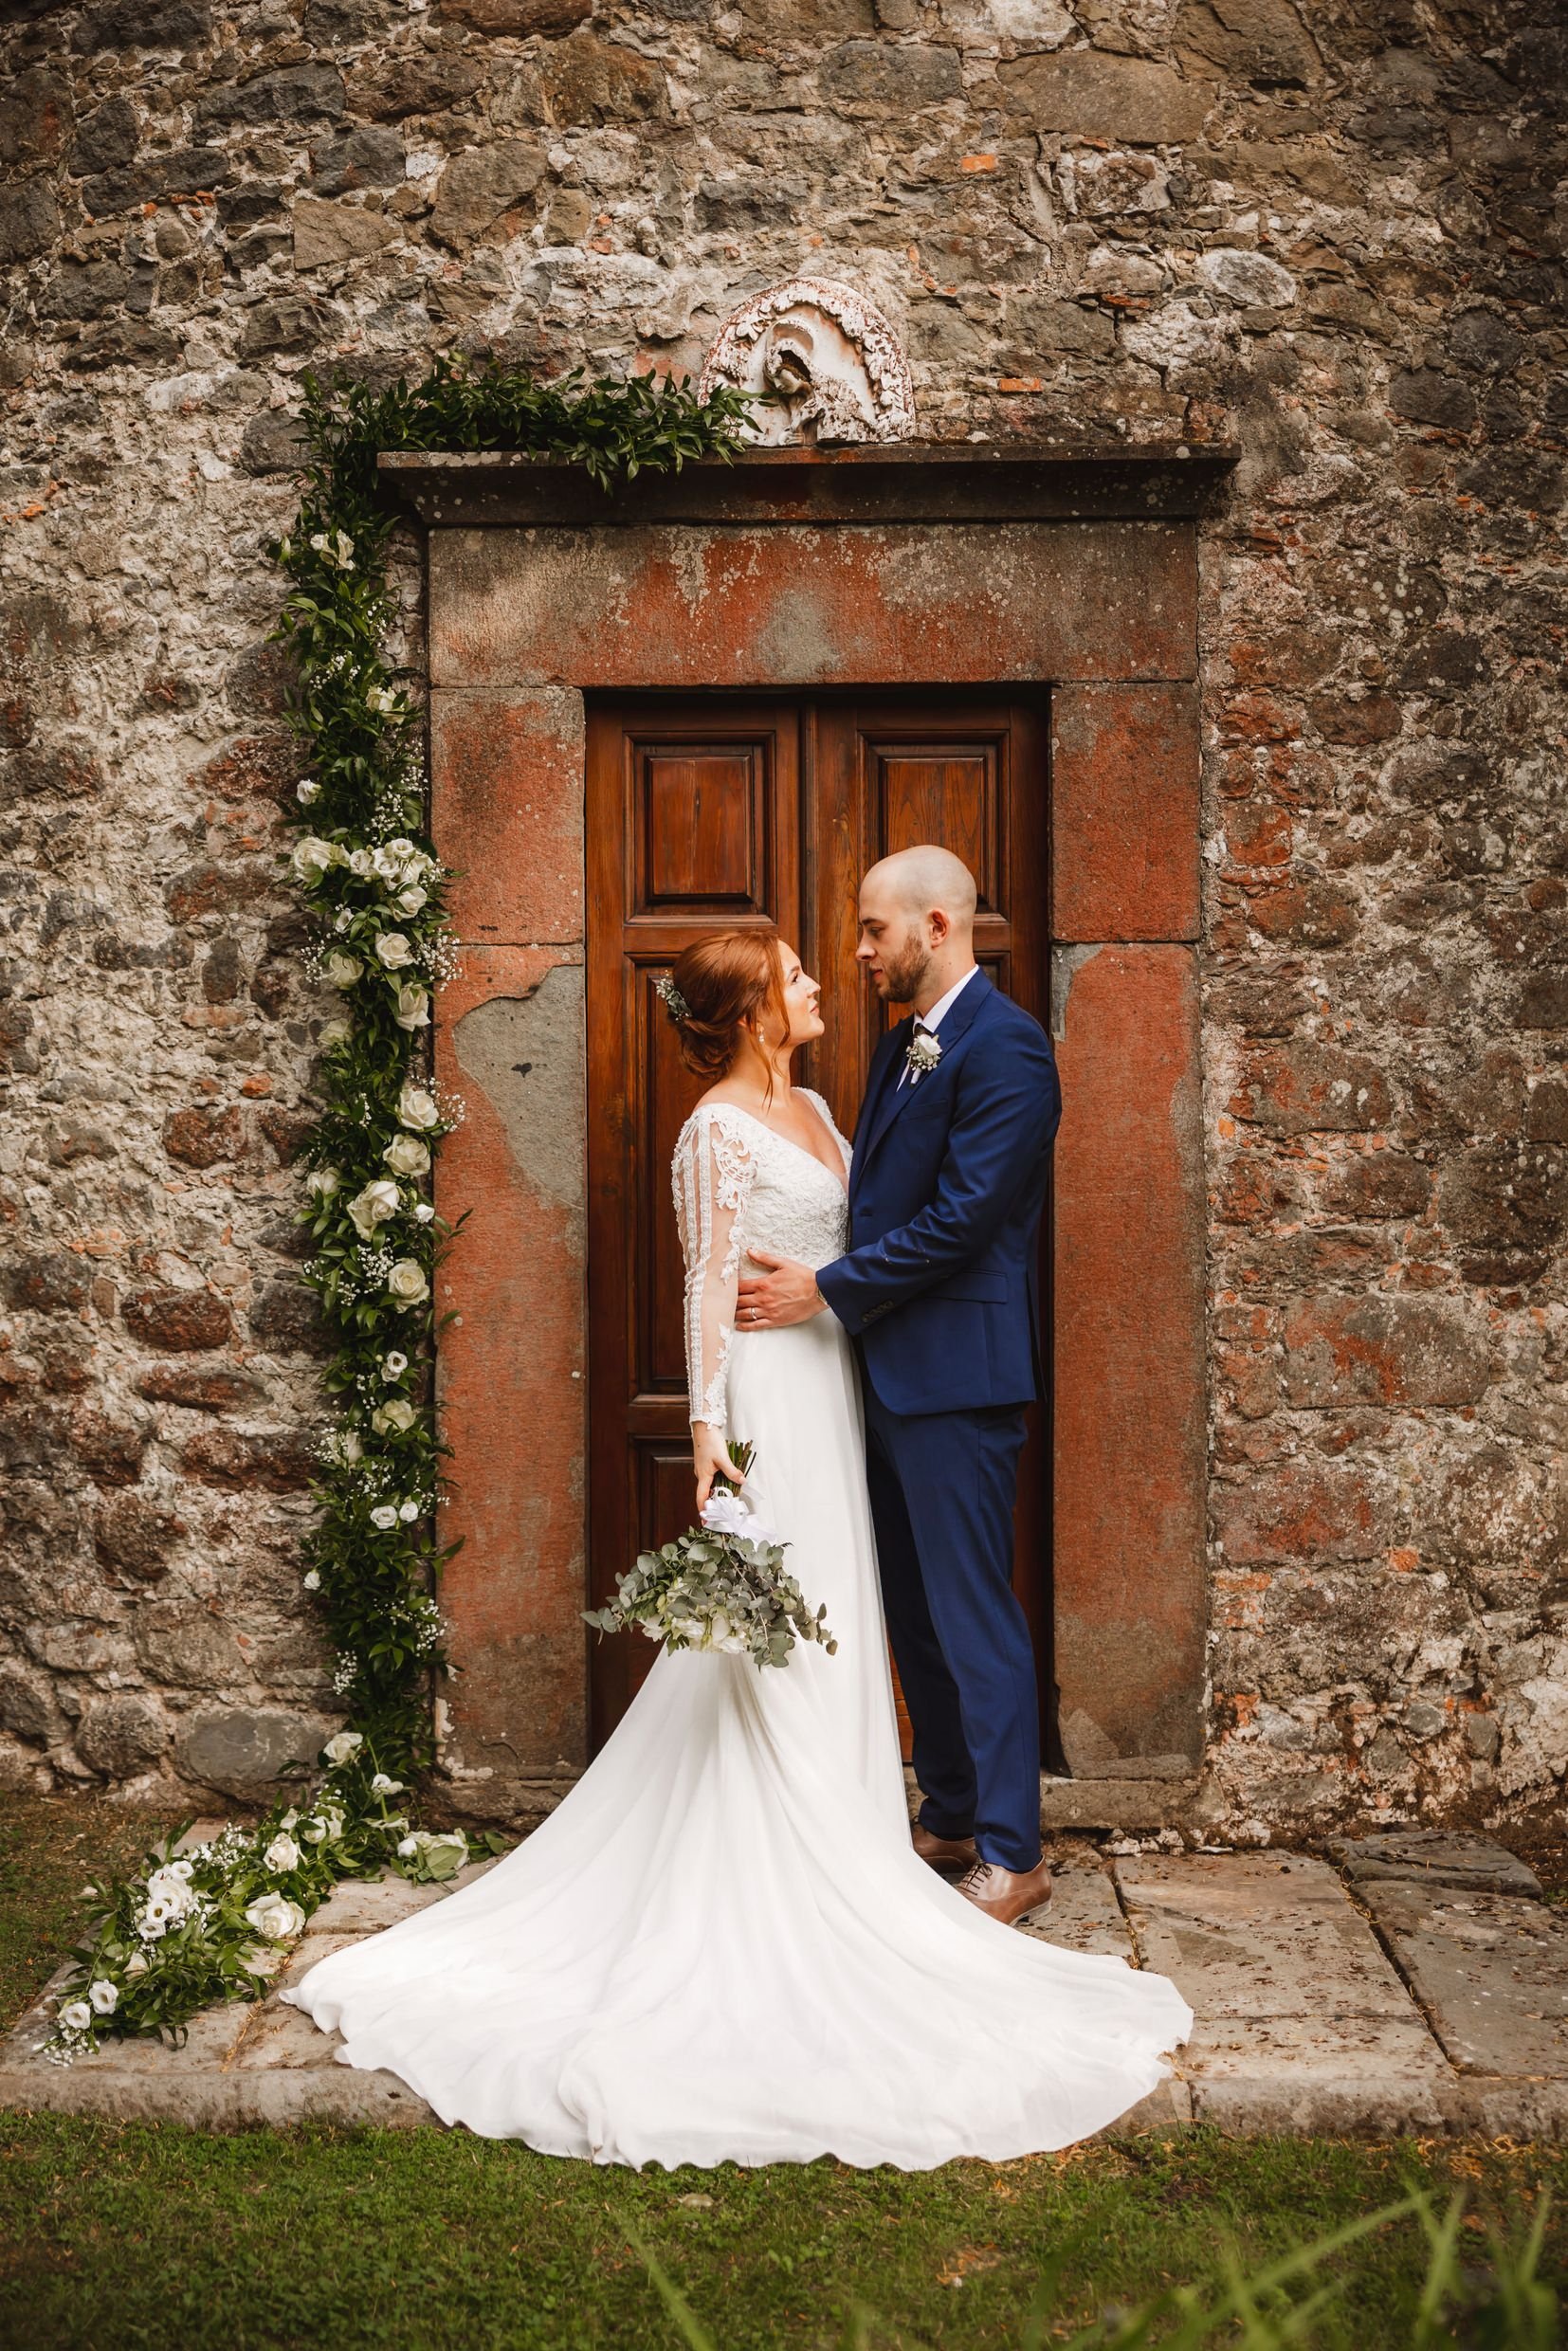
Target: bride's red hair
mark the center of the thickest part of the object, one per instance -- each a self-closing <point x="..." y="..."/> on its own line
<point x="726" y="979"/>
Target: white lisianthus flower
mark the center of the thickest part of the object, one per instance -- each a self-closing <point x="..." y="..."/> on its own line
<point x="414" y="1007"/>
<point x="387" y="864"/>
<point x="289" y="1819"/>
<point x="407" y="1283"/>
<point x="383" y="701"/>
<point x="169" y="1884"/>
<point x="312" y="1579"/>
<point x="423" y="1213"/>
<point x="379" y="1200"/>
<point x="381" y="1785"/>
<point x="336" y="1032"/>
<point x="406" y="1155"/>
<point x="394" y="950"/>
<point x="306" y="791"/>
<point x="273" y="1915"/>
<point x="344" y="920"/>
<point x="104" y="1996"/>
<point x="403" y="849"/>
<point x="384" y="1516"/>
<point x="409" y="901"/>
<point x="343" y="1746"/>
<point x="397" y="1417"/>
<point x="323" y="1181"/>
<point x="341" y="968"/>
<point x="77" y="2016"/>
<point x="408" y="1846"/>
<point x="394" y="1363"/>
<point x="282" y="1855"/>
<point x="349" y="1448"/>
<point x="313" y="1831"/>
<point x="409" y="1512"/>
<point x="359" y="864"/>
<point x="313" y="858"/>
<point x="137" y="1964"/>
<point x="415" y="1107"/>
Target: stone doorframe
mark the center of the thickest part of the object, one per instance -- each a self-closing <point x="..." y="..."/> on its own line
<point x="878" y="566"/>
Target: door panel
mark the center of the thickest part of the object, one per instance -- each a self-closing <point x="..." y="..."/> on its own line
<point x="708" y="812"/>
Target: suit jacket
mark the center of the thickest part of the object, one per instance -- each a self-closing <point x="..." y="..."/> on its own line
<point x="941" y="1281"/>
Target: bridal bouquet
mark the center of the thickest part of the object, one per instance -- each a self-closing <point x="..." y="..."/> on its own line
<point x="721" y="1585"/>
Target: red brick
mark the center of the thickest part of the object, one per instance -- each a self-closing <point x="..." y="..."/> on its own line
<point x="784" y="605"/>
<point x="507" y="783"/>
<point x="1129" y="1551"/>
<point x="1124" y="812"/>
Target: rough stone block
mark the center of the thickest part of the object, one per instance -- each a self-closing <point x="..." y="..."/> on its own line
<point x="515" y="1360"/>
<point x="714" y="606"/>
<point x="242" y="1750"/>
<point x="1128" y="1567"/>
<point x="1389" y="1350"/>
<point x="506" y="781"/>
<point x="1374" y="2076"/>
<point x="1124" y="814"/>
<point x="1084" y="1914"/>
<point x="1139" y="102"/>
<point x="1446" y="1857"/>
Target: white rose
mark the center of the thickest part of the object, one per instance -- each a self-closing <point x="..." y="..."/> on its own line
<point x="414" y="1007"/>
<point x="411" y="899"/>
<point x="399" y="1416"/>
<point x="409" y="1512"/>
<point x="423" y="1213"/>
<point x="307" y="790"/>
<point x="407" y="1282"/>
<point x="323" y="1181"/>
<point x="415" y="1107"/>
<point x="344" y="1745"/>
<point x="394" y="1363"/>
<point x="403" y="849"/>
<point x="311" y="857"/>
<point x="408" y="1846"/>
<point x="379" y="1200"/>
<point x="104" y="1996"/>
<point x="282" y="1855"/>
<point x="341" y="969"/>
<point x="334" y="1032"/>
<point x="312" y="1579"/>
<point x="360" y="865"/>
<point x="289" y="1819"/>
<point x="274" y="1915"/>
<point x="76" y="2017"/>
<point x="349" y="1448"/>
<point x="384" y="1516"/>
<point x="394" y="950"/>
<point x="406" y="1156"/>
<point x="381" y="1785"/>
<point x="135" y="1964"/>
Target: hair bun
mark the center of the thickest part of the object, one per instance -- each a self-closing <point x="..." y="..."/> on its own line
<point x="720" y="983"/>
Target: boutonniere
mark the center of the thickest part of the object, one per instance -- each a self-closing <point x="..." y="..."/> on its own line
<point x="922" y="1052"/>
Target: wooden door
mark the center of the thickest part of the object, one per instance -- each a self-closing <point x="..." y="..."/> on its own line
<point x="707" y="812"/>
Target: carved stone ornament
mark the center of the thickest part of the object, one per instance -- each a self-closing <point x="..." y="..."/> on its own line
<point x="828" y="353"/>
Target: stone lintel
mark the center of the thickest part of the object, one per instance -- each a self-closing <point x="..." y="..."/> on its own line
<point x="903" y="482"/>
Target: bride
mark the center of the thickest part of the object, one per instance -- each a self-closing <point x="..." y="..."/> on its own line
<point x="721" y="1945"/>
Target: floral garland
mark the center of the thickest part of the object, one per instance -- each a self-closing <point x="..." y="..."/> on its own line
<point x="376" y="892"/>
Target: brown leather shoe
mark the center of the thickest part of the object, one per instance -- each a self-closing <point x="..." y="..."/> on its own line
<point x="1006" y="1894"/>
<point x="955" y="1854"/>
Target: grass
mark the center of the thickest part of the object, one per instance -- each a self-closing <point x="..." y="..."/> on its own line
<point x="115" y="2236"/>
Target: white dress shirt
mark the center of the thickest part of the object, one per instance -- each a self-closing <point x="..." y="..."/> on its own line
<point x="931" y="1020"/>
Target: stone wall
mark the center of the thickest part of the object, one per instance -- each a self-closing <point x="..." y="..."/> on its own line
<point x="1329" y="235"/>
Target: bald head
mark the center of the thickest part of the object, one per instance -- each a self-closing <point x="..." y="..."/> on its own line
<point x="916" y="925"/>
<point x="926" y="880"/>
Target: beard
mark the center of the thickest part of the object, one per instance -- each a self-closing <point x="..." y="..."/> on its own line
<point x="903" y="971"/>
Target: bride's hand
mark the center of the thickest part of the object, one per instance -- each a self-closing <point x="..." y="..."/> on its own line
<point x="710" y="1459"/>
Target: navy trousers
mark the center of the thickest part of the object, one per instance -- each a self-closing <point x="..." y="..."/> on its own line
<point x="943" y="1486"/>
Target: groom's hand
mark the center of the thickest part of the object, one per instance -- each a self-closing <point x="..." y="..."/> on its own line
<point x="786" y="1293"/>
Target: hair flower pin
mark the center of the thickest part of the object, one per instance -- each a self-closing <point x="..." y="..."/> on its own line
<point x="674" y="1002"/>
<point x="922" y="1052"/>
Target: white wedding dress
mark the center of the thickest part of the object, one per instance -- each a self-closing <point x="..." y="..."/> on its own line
<point x="720" y="1946"/>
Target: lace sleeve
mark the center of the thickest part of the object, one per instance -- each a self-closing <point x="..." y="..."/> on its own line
<point x="713" y="1171"/>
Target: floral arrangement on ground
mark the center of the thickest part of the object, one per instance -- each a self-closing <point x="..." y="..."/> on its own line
<point x="376" y="893"/>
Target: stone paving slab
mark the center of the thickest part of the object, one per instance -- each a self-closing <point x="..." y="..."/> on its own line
<point x="1434" y="1857"/>
<point x="1490" y="1970"/>
<point x="1301" y="2022"/>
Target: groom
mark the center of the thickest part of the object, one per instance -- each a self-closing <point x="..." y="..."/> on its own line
<point x="939" y="1287"/>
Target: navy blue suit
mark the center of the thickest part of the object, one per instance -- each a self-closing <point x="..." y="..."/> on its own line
<point x="939" y="1287"/>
